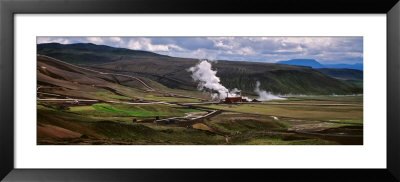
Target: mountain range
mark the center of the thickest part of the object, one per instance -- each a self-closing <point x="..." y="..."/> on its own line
<point x="315" y="64"/>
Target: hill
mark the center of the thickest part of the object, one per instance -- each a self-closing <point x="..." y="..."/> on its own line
<point x="303" y="62"/>
<point x="82" y="53"/>
<point x="173" y="72"/>
<point x="343" y="73"/>
<point x="315" y="64"/>
<point x="69" y="81"/>
<point x="349" y="75"/>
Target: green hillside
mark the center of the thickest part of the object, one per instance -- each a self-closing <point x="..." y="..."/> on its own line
<point x="84" y="53"/>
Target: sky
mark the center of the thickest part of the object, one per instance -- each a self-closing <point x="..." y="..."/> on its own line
<point x="326" y="50"/>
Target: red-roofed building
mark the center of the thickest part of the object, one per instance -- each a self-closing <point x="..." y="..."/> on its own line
<point x="231" y="100"/>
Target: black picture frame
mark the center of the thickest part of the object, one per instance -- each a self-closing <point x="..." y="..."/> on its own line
<point x="9" y="8"/>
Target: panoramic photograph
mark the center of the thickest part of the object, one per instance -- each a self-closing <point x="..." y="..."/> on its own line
<point x="199" y="90"/>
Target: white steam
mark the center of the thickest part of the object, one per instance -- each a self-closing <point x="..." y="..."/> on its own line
<point x="264" y="95"/>
<point x="207" y="78"/>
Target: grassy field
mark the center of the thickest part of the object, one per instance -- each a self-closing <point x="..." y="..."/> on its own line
<point x="126" y="110"/>
<point x="111" y="95"/>
<point x="186" y="110"/>
<point x="322" y="99"/>
<point x="169" y="99"/>
<point x="244" y="124"/>
<point x="114" y="122"/>
<point x="136" y="111"/>
<point x="279" y="141"/>
<point x="349" y="114"/>
<point x="252" y="129"/>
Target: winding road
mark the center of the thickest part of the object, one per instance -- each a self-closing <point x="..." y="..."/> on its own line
<point x="99" y="72"/>
<point x="122" y="75"/>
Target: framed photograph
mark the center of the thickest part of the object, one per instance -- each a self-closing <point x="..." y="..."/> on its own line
<point x="129" y="90"/>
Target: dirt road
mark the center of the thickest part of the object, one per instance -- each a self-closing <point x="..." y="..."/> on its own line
<point x="99" y="72"/>
<point x="123" y="75"/>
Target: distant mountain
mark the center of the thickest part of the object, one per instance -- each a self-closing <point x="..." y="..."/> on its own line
<point x="358" y="66"/>
<point x="315" y="64"/>
<point x="172" y="71"/>
<point x="303" y="62"/>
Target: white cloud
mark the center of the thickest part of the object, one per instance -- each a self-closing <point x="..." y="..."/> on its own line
<point x="151" y="47"/>
<point x="173" y="46"/>
<point x="115" y="39"/>
<point x="42" y="40"/>
<point x="222" y="45"/>
<point x="246" y="51"/>
<point x="135" y="45"/>
<point x="95" y="40"/>
<point x="145" y="44"/>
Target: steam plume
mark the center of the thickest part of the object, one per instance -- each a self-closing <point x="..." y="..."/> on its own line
<point x="207" y="78"/>
<point x="264" y="95"/>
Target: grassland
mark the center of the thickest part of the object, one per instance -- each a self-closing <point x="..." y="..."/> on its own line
<point x="105" y="126"/>
<point x="114" y="122"/>
<point x="348" y="114"/>
<point x="135" y="111"/>
<point x="128" y="110"/>
<point x="326" y="99"/>
<point x="245" y="124"/>
<point x="111" y="95"/>
<point x="169" y="99"/>
<point x="252" y="129"/>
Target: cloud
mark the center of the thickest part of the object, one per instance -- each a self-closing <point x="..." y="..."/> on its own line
<point x="146" y="44"/>
<point x="222" y="45"/>
<point x="115" y="39"/>
<point x="95" y="40"/>
<point x="42" y="40"/>
<point x="264" y="49"/>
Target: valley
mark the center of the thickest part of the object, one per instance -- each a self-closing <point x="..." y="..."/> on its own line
<point x="120" y="97"/>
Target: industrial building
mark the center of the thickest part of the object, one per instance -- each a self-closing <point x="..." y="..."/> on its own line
<point x="232" y="100"/>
